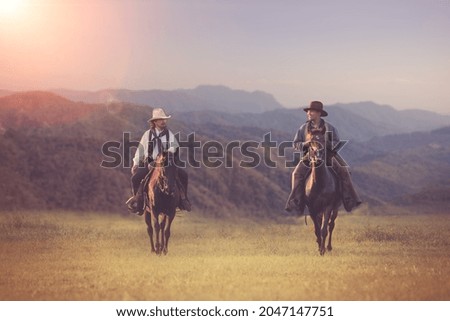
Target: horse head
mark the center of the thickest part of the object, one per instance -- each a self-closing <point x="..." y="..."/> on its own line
<point x="316" y="153"/>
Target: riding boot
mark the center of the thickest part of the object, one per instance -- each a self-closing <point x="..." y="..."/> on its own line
<point x="140" y="199"/>
<point x="350" y="197"/>
<point x="294" y="203"/>
<point x="182" y="183"/>
<point x="135" y="203"/>
<point x="296" y="199"/>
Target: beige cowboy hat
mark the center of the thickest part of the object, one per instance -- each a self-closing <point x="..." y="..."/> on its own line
<point x="158" y="113"/>
<point x="317" y="106"/>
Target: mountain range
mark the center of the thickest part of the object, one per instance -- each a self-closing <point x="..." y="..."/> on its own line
<point x="52" y="149"/>
<point x="222" y="105"/>
<point x="219" y="98"/>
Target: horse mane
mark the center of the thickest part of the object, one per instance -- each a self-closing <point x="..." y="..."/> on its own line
<point x="158" y="172"/>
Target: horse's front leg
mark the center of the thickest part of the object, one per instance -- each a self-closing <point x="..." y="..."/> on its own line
<point x="162" y="224"/>
<point x="157" y="228"/>
<point x="167" y="233"/>
<point x="331" y="227"/>
<point x="324" y="230"/>
<point x="317" y="219"/>
<point x="148" y="221"/>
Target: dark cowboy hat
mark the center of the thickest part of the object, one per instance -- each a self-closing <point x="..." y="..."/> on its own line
<point x="317" y="106"/>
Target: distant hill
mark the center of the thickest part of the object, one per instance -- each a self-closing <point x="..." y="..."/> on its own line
<point x="5" y="93"/>
<point x="171" y="100"/>
<point x="57" y="166"/>
<point x="219" y="98"/>
<point x="224" y="106"/>
<point x="52" y="151"/>
<point x="287" y="121"/>
<point x="235" y="101"/>
<point x="350" y="120"/>
<point x="39" y="109"/>
<point x="393" y="121"/>
<point x="405" y="168"/>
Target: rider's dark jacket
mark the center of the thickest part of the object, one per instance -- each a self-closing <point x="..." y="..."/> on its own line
<point x="325" y="134"/>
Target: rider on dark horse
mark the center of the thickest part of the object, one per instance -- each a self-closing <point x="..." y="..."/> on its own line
<point x="316" y="129"/>
<point x="155" y="141"/>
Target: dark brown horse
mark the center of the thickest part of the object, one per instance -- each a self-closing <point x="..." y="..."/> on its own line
<point x="322" y="196"/>
<point x="162" y="199"/>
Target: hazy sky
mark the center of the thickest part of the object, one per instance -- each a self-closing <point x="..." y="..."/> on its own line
<point x="390" y="52"/>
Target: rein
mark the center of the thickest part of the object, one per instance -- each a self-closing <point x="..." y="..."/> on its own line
<point x="314" y="158"/>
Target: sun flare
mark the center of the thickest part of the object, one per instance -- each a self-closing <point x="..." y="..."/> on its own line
<point x="10" y="8"/>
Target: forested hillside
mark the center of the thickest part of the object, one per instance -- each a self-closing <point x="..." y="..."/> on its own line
<point x="54" y="155"/>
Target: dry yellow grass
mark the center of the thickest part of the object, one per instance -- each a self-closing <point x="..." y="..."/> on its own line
<point x="68" y="256"/>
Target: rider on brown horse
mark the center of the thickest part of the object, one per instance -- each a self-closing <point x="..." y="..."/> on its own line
<point x="316" y="129"/>
<point x="154" y="141"/>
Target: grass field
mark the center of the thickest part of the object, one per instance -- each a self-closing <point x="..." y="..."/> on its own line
<point x="69" y="256"/>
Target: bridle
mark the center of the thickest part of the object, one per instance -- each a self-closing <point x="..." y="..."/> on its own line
<point x="163" y="180"/>
<point x="316" y="153"/>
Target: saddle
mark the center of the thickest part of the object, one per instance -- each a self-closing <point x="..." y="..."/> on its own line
<point x="143" y="194"/>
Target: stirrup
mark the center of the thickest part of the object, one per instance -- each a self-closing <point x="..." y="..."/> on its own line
<point x="132" y="205"/>
<point x="128" y="202"/>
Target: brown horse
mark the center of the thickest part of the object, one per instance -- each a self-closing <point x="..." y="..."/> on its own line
<point x="162" y="199"/>
<point x="322" y="193"/>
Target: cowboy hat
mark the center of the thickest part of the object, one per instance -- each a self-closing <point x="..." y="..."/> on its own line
<point x="158" y="113"/>
<point x="317" y="106"/>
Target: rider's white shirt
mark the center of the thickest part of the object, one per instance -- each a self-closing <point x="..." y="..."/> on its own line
<point x="142" y="151"/>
